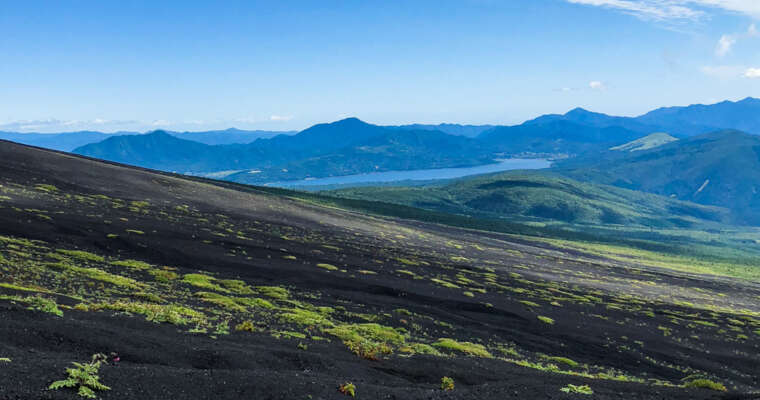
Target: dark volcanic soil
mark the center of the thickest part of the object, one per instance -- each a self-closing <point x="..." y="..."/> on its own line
<point x="629" y="330"/>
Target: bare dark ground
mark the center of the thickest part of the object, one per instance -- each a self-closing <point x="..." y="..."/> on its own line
<point x="653" y="329"/>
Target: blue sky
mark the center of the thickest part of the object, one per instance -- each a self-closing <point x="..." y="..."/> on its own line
<point x="196" y="65"/>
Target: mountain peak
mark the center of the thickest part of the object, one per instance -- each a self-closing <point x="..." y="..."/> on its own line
<point x="749" y="100"/>
<point x="350" y="121"/>
<point x="579" y="111"/>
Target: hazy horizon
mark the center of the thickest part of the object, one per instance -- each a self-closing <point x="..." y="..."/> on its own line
<point x="30" y="130"/>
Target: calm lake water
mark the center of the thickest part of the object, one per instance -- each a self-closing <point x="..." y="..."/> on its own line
<point x="418" y="174"/>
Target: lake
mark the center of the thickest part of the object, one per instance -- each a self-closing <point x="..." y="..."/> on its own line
<point x="418" y="174"/>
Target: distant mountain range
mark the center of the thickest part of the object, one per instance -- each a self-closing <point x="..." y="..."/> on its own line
<point x="344" y="147"/>
<point x="743" y="115"/>
<point x="68" y="141"/>
<point x="554" y="137"/>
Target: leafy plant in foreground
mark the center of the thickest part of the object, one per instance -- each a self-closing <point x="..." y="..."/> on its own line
<point x="447" y="383"/>
<point x="84" y="376"/>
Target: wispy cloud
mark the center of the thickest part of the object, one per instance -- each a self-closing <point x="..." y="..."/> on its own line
<point x="280" y="118"/>
<point x="723" y="71"/>
<point x="752" y="73"/>
<point x="676" y="10"/>
<point x="731" y="71"/>
<point x="727" y="42"/>
<point x="597" y="85"/>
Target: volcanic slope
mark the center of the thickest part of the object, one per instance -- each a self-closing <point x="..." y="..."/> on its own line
<point x="204" y="290"/>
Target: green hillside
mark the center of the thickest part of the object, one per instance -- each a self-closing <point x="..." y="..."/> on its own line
<point x="721" y="169"/>
<point x="646" y="143"/>
<point x="534" y="196"/>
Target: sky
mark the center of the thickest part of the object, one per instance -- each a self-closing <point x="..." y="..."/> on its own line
<point x="286" y="65"/>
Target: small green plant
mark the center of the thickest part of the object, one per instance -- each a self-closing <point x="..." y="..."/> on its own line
<point x="44" y="187"/>
<point x="705" y="384"/>
<point x="222" y="328"/>
<point x="447" y="383"/>
<point x="245" y="326"/>
<point x="43" y="304"/>
<point x="5" y="359"/>
<point x="348" y="388"/>
<point x="546" y="320"/>
<point x="577" y="389"/>
<point x="564" y="360"/>
<point x="84" y="376"/>
<point x="328" y="267"/>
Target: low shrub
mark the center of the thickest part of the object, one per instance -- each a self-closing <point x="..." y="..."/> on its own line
<point x="705" y="384"/>
<point x="348" y="388"/>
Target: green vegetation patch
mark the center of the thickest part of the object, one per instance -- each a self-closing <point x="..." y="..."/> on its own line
<point x="472" y="349"/>
<point x="419" y="348"/>
<point x="274" y="292"/>
<point x="99" y="275"/>
<point x="82" y="255"/>
<point x="169" y="313"/>
<point x="236" y="286"/>
<point x="564" y="360"/>
<point x="36" y="303"/>
<point x="303" y="317"/>
<point x="133" y="264"/>
<point x="221" y="300"/>
<point x="369" y="340"/>
<point x="203" y="282"/>
<point x="577" y="389"/>
<point x="705" y="384"/>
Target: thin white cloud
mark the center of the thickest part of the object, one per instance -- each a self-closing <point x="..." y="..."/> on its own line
<point x="648" y="9"/>
<point x="731" y="71"/>
<point x="752" y="31"/>
<point x="752" y="73"/>
<point x="597" y="85"/>
<point x="674" y="10"/>
<point x="725" y="43"/>
<point x="723" y="71"/>
<point x="280" y="118"/>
